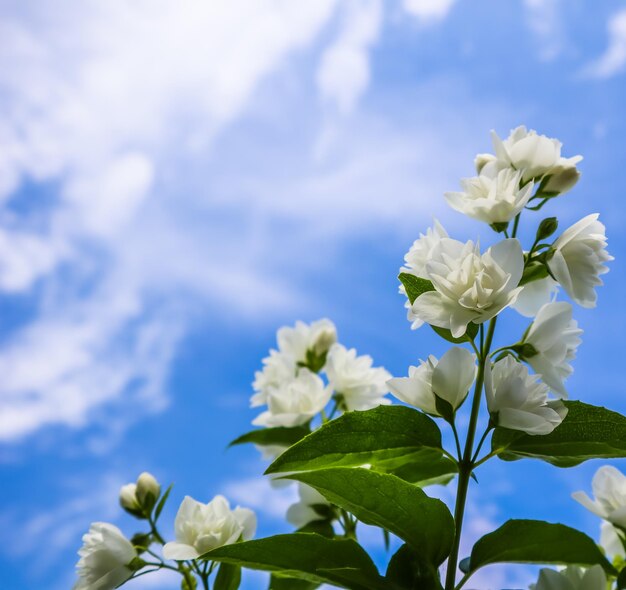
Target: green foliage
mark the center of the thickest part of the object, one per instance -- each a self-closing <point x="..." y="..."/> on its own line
<point x="189" y="583"/>
<point x="161" y="504"/>
<point x="385" y="500"/>
<point x="321" y="527"/>
<point x="408" y="571"/>
<point x="536" y="541"/>
<point x="388" y="438"/>
<point x="284" y="583"/>
<point x="273" y="436"/>
<point x="588" y="432"/>
<point x="228" y="577"/>
<point x="307" y="556"/>
<point x="469" y="336"/>
<point x="415" y="286"/>
<point x="533" y="272"/>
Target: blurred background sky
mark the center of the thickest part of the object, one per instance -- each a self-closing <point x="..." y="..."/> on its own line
<point x="178" y="179"/>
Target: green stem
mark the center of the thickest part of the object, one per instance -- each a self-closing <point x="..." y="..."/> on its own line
<point x="154" y="531"/>
<point x="465" y="465"/>
<point x="456" y="440"/>
<point x="515" y="225"/>
<point x="480" y="444"/>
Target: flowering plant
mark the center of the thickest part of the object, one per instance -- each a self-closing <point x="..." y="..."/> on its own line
<point x="327" y="424"/>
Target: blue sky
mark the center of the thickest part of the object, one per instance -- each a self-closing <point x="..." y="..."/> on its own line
<point x="176" y="183"/>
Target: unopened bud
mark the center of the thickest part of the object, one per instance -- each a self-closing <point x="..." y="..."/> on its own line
<point x="561" y="179"/>
<point x="547" y="227"/>
<point x="148" y="489"/>
<point x="128" y="497"/>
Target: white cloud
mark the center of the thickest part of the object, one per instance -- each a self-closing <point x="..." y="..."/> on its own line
<point x="545" y="20"/>
<point x="429" y="10"/>
<point x="160" y="204"/>
<point x="613" y="60"/>
<point x="344" y="71"/>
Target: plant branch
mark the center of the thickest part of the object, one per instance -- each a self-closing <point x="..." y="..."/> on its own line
<point x="465" y="465"/>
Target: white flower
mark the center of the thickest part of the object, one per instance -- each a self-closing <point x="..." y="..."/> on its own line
<point x="104" y="558"/>
<point x="609" y="490"/>
<point x="450" y="379"/>
<point x="360" y="385"/>
<point x="492" y="198"/>
<point x="420" y="252"/>
<point x="284" y="364"/>
<point x="295" y="341"/>
<point x="415" y="262"/>
<point x="469" y="287"/>
<point x="200" y="528"/>
<point x="518" y="400"/>
<point x="571" y="578"/>
<point x="610" y="540"/>
<point x="555" y="336"/>
<point x="312" y="506"/>
<point x="278" y="367"/>
<point x="578" y="259"/>
<point x="536" y="155"/>
<point x="295" y="401"/>
<point x="534" y="295"/>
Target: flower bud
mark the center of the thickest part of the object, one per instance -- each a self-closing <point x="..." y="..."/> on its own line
<point x="560" y="180"/>
<point x="128" y="497"/>
<point x="547" y="227"/>
<point x="148" y="490"/>
<point x="326" y="338"/>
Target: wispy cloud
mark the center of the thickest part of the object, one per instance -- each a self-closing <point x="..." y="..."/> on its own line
<point x="545" y="20"/>
<point x="613" y="60"/>
<point x="429" y="10"/>
<point x="134" y="198"/>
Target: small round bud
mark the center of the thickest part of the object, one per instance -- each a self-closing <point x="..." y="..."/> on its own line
<point x="324" y="341"/>
<point x="148" y="489"/>
<point x="128" y="497"/>
<point x="547" y="227"/>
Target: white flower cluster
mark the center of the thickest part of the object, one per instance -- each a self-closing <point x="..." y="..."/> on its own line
<point x="609" y="503"/>
<point x="462" y="287"/>
<point x="108" y="558"/>
<point x="290" y="384"/>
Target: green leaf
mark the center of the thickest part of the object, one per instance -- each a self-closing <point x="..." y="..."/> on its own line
<point x="428" y="468"/>
<point x="621" y="580"/>
<point x="305" y="556"/>
<point x="387" y="438"/>
<point x="469" y="336"/>
<point x="387" y="501"/>
<point x="273" y="436"/>
<point x="321" y="527"/>
<point x="284" y="583"/>
<point x="228" y="577"/>
<point x="587" y="432"/>
<point x="533" y="272"/>
<point x="161" y="504"/>
<point x="408" y="571"/>
<point x="536" y="541"/>
<point x="192" y="584"/>
<point x="415" y="286"/>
